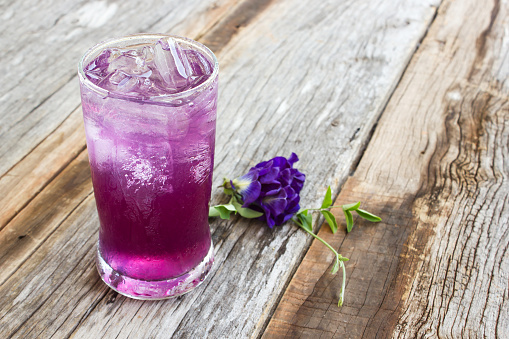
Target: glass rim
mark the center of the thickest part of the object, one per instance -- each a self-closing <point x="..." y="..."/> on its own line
<point x="165" y="98"/>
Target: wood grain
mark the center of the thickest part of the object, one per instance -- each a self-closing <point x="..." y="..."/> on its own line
<point x="27" y="178"/>
<point x="294" y="78"/>
<point x="438" y="264"/>
<point x="24" y="233"/>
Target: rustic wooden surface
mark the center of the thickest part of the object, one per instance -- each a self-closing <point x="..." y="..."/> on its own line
<point x="311" y="78"/>
<point x="438" y="264"/>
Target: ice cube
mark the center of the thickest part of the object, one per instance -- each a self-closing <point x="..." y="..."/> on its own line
<point x="172" y="65"/>
<point x="99" y="146"/>
<point x="148" y="87"/>
<point x="121" y="63"/>
<point x="199" y="65"/>
<point x="122" y="81"/>
<point x="127" y="70"/>
<point x="97" y="69"/>
<point x="159" y="69"/>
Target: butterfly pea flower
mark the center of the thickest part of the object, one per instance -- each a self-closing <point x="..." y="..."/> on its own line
<point x="272" y="187"/>
<point x="271" y="191"/>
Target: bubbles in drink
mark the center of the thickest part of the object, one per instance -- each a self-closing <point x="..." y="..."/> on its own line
<point x="152" y="173"/>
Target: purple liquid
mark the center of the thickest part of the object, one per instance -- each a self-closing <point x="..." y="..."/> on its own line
<point x="151" y="159"/>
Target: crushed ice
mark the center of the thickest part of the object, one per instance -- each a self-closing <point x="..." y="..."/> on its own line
<point x="163" y="68"/>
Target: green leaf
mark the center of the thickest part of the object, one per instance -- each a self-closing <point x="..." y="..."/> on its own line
<point x="349" y="220"/>
<point x="327" y="200"/>
<point x="368" y="216"/>
<point x="351" y="207"/>
<point x="246" y="212"/>
<point x="341" y="258"/>
<point x="222" y="211"/>
<point x="335" y="268"/>
<point x="331" y="220"/>
<point x="306" y="220"/>
<point x="213" y="212"/>
<point x="229" y="207"/>
<point x="303" y="211"/>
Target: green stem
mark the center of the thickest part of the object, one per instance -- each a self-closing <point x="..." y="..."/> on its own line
<point x="321" y="209"/>
<point x="342" y="292"/>
<point x="316" y="237"/>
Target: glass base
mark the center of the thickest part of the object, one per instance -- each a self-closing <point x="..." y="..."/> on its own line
<point x="158" y="289"/>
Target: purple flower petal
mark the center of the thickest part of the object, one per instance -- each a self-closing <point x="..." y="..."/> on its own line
<point x="251" y="193"/>
<point x="293" y="205"/>
<point x="275" y="203"/>
<point x="281" y="162"/>
<point x="270" y="176"/>
<point x="293" y="159"/>
<point x="248" y="186"/>
<point x="298" y="180"/>
<point x="286" y="177"/>
<point x="264" y="164"/>
<point x="282" y="218"/>
<point x="270" y="221"/>
<point x="272" y="187"/>
<point x="290" y="192"/>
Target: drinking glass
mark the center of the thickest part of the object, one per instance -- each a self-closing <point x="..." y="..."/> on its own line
<point x="151" y="157"/>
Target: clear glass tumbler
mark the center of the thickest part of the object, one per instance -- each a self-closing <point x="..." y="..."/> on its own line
<point x="149" y="106"/>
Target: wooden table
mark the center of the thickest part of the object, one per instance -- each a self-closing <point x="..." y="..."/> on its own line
<point x="400" y="104"/>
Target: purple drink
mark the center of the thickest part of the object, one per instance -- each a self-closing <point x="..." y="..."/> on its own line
<point x="149" y="105"/>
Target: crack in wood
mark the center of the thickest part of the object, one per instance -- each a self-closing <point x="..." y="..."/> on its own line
<point x="480" y="43"/>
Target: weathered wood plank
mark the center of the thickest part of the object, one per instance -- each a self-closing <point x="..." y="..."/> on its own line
<point x="25" y="232"/>
<point x="22" y="182"/>
<point x="60" y="275"/>
<point x="320" y="94"/>
<point x="438" y="265"/>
